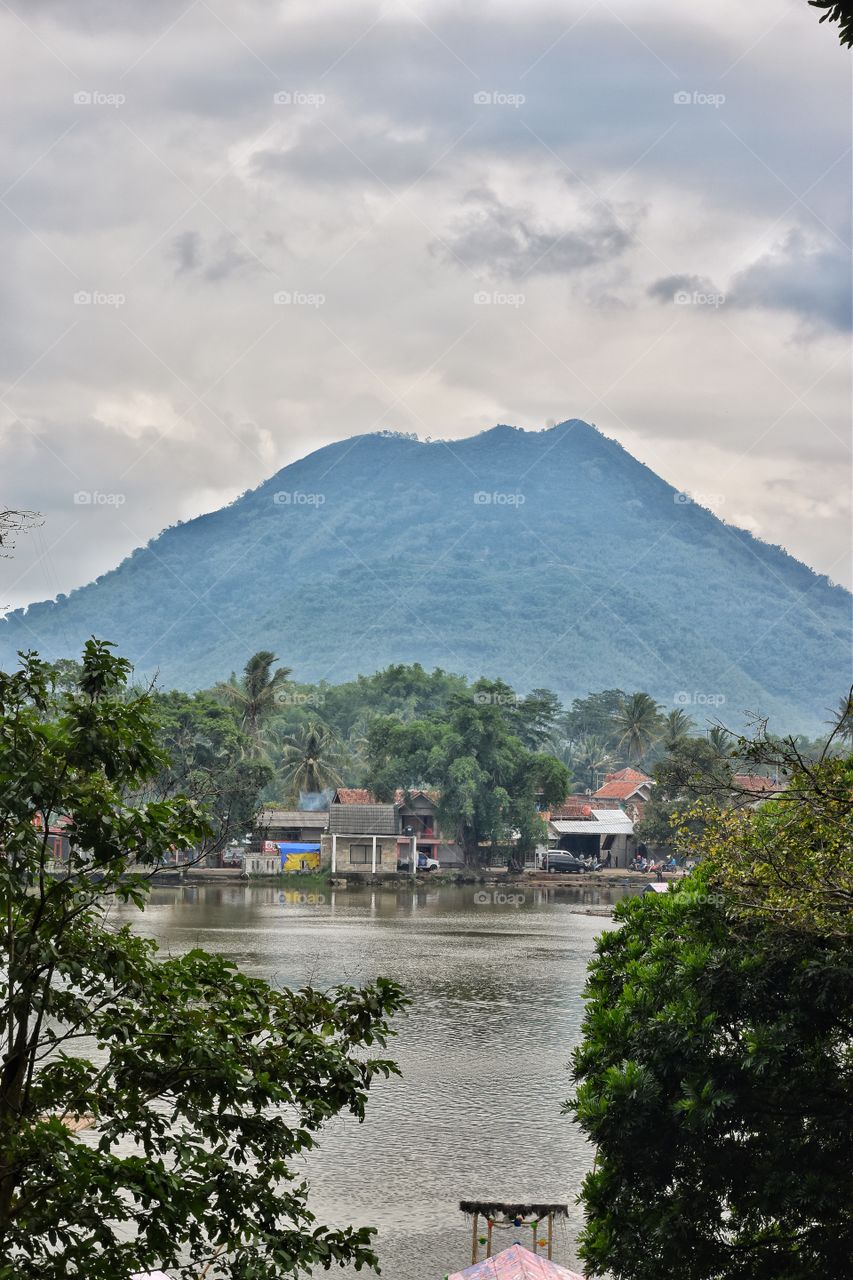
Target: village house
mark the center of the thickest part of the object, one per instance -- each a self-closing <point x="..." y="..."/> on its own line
<point x="286" y="840"/>
<point x="292" y="824"/>
<point x="365" y="839"/>
<point x="591" y="832"/>
<point x="627" y="789"/>
<point x="417" y="813"/>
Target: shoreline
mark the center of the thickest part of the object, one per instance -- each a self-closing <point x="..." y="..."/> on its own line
<point x="616" y="878"/>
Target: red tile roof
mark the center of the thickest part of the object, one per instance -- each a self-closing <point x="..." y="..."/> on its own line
<point x="622" y="784"/>
<point x="627" y="775"/>
<point x="400" y="795"/>
<point x="572" y="809"/>
<point x="360" y="795"/>
<point x="755" y="783"/>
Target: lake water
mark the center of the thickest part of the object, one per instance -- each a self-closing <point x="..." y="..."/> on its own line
<point x="484" y="1050"/>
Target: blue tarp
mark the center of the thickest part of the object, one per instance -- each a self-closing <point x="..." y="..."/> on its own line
<point x="296" y="846"/>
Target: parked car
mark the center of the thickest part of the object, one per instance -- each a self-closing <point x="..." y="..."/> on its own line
<point x="424" y="863"/>
<point x="559" y="860"/>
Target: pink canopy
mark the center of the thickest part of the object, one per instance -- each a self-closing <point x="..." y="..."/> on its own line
<point x="515" y="1263"/>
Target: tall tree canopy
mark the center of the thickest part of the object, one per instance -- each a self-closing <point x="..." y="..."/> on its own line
<point x="310" y="759"/>
<point x="255" y="693"/>
<point x="209" y="758"/>
<point x="488" y="780"/>
<point x="637" y="724"/>
<point x="206" y="1086"/>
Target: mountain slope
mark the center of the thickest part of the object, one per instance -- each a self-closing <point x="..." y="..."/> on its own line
<point x="551" y="558"/>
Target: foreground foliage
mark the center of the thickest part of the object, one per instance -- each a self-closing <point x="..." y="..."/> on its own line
<point x="205" y="1085"/>
<point x="790" y="860"/>
<point x="716" y="1071"/>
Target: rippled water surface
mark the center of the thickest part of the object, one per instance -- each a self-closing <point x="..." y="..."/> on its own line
<point x="484" y="1048"/>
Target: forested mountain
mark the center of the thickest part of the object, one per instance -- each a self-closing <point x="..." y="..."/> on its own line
<point x="549" y="558"/>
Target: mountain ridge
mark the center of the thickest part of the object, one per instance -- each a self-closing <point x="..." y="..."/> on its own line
<point x="551" y="558"/>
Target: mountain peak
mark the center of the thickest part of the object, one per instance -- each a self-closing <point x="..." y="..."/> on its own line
<point x="551" y="558"/>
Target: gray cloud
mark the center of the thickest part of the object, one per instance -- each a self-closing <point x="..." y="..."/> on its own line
<point x="666" y="289"/>
<point x="509" y="240"/>
<point x="213" y="262"/>
<point x="813" y="282"/>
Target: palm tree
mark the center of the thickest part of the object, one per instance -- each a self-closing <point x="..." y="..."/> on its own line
<point x="637" y="724"/>
<point x="844" y="718"/>
<point x="355" y="744"/>
<point x="588" y="759"/>
<point x="720" y="741"/>
<point x="255" y="693"/>
<point x="310" y="757"/>
<point x="677" y="726"/>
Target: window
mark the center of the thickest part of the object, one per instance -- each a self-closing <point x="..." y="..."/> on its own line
<point x="363" y="854"/>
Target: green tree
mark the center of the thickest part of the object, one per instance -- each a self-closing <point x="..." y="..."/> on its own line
<point x="637" y="724"/>
<point x="206" y="1087"/>
<point x="209" y="759"/>
<point x="692" y="770"/>
<point x="593" y="716"/>
<point x="406" y="691"/>
<point x="310" y="759"/>
<point x="790" y="859"/>
<point x="843" y="727"/>
<point x="488" y="781"/>
<point x="589" y="758"/>
<point x="721" y="742"/>
<point x="255" y="693"/>
<point x="677" y="725"/>
<point x="716" y="1072"/>
<point x="716" y="1079"/>
<point x="534" y="718"/>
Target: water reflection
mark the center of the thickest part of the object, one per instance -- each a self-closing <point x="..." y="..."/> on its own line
<point x="496" y="1010"/>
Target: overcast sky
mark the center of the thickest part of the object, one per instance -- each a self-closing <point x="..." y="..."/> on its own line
<point x="652" y="197"/>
